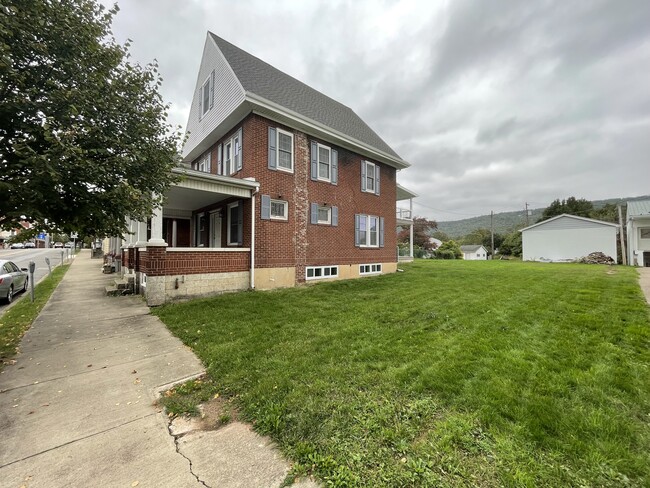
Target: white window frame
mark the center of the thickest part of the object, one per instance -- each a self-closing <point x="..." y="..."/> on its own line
<point x="227" y="158"/>
<point x="279" y="131"/>
<point x="206" y="84"/>
<point x="321" y="272"/>
<point x="285" y="205"/>
<point x="370" y="269"/>
<point x="374" y="177"/>
<point x="229" y="223"/>
<point x="329" y="215"/>
<point x="329" y="162"/>
<point x="367" y="231"/>
<point x="203" y="163"/>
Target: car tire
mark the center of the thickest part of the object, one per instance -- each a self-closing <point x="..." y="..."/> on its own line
<point x="26" y="285"/>
<point x="10" y="294"/>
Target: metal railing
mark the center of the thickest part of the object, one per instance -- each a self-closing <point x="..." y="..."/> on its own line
<point x="403" y="213"/>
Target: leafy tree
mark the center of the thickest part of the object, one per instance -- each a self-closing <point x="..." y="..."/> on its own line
<point x="422" y="228"/>
<point x="451" y="247"/>
<point x="573" y="206"/>
<point x="511" y="245"/>
<point x="608" y="213"/>
<point x="440" y="235"/>
<point x="83" y="137"/>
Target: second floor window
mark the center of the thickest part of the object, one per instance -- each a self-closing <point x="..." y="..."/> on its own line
<point x="324" y="163"/>
<point x="369" y="177"/>
<point x="203" y="163"/>
<point x="280" y="155"/>
<point x="229" y="155"/>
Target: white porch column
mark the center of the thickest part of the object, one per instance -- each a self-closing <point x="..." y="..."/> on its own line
<point x="411" y="228"/>
<point x="141" y="234"/>
<point x="156" y="229"/>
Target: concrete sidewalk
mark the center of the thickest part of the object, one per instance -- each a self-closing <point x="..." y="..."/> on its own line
<point x="644" y="282"/>
<point x="77" y="408"/>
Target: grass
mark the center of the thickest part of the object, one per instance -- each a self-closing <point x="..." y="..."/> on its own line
<point x="450" y="374"/>
<point x="185" y="398"/>
<point x="15" y="321"/>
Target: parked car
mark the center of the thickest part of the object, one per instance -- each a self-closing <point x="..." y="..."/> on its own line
<point x="30" y="245"/>
<point x="17" y="245"/>
<point x="58" y="244"/>
<point x="68" y="245"/>
<point x="12" y="280"/>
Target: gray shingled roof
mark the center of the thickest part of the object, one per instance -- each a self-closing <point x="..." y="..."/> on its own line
<point x="638" y="207"/>
<point x="264" y="80"/>
<point x="470" y="248"/>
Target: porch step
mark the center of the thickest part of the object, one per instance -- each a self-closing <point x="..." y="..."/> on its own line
<point x="123" y="284"/>
<point x="113" y="291"/>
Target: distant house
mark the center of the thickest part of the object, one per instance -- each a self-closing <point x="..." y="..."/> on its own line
<point x="638" y="232"/>
<point x="474" y="253"/>
<point x="568" y="237"/>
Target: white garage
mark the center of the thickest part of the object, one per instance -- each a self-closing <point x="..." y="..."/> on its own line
<point x="568" y="237"/>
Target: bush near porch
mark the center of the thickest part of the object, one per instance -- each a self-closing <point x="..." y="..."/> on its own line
<point x="453" y="373"/>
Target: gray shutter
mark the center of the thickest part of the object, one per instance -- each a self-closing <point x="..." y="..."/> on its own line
<point x="212" y="89"/>
<point x="238" y="149"/>
<point x="376" y="179"/>
<point x="272" y="157"/>
<point x="240" y="222"/>
<point x="314" y="213"/>
<point x="335" y="166"/>
<point x="363" y="176"/>
<point x="266" y="207"/>
<point x="356" y="230"/>
<point x="381" y="232"/>
<point x="335" y="216"/>
<point x="314" y="160"/>
<point x="219" y="154"/>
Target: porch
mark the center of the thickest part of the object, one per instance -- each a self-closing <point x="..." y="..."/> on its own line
<point x="195" y="244"/>
<point x="405" y="219"/>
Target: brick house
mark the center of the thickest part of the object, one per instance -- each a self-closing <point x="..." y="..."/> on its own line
<point x="281" y="185"/>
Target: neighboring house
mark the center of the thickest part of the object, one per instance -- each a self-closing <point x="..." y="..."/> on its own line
<point x="474" y="252"/>
<point x="638" y="232"/>
<point x="282" y="185"/>
<point x="568" y="237"/>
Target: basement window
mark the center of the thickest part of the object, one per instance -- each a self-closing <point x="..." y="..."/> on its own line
<point x="368" y="269"/>
<point x="321" y="272"/>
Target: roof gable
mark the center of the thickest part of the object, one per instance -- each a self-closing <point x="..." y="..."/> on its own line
<point x="262" y="79"/>
<point x="471" y="248"/>
<point x="567" y="221"/>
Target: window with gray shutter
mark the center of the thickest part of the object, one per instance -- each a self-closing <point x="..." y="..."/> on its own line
<point x="266" y="207"/>
<point x="314" y="160"/>
<point x="272" y="150"/>
<point x="335" y="216"/>
<point x="335" y="166"/>
<point x="314" y="213"/>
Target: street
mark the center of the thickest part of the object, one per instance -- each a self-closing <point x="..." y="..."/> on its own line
<point x="22" y="257"/>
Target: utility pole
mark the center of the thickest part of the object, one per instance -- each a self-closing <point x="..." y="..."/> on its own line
<point x="526" y="214"/>
<point x="492" y="231"/>
<point x="620" y="233"/>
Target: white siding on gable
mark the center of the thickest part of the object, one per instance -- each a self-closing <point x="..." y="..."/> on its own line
<point x="228" y="95"/>
<point x="564" y="222"/>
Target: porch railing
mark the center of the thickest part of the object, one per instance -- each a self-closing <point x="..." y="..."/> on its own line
<point x="404" y="213"/>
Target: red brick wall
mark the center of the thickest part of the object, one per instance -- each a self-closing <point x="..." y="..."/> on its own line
<point x="296" y="242"/>
<point x="197" y="262"/>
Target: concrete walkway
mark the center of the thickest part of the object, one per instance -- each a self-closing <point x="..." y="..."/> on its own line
<point x="644" y="281"/>
<point x="78" y="406"/>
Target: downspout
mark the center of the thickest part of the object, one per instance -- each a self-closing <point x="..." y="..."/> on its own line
<point x="252" y="273"/>
<point x="411" y="228"/>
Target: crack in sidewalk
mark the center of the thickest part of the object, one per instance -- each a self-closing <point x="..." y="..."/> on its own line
<point x="178" y="450"/>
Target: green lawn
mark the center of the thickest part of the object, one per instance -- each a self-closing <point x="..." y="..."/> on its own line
<point x="450" y="374"/>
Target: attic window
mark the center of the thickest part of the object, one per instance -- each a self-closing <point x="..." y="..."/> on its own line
<point x="207" y="94"/>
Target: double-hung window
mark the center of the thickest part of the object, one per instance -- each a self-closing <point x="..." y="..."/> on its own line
<point x="203" y="163"/>
<point x="206" y="95"/>
<point x="324" y="163"/>
<point x="229" y="155"/>
<point x="235" y="224"/>
<point x="324" y="214"/>
<point x="369" y="177"/>
<point x="369" y="231"/>
<point x="280" y="155"/>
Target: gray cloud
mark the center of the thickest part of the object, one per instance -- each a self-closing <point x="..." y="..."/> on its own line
<point x="494" y="103"/>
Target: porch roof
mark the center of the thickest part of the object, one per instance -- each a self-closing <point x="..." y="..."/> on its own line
<point x="198" y="189"/>
<point x="404" y="193"/>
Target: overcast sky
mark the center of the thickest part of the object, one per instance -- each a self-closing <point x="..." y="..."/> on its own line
<point x="494" y="103"/>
